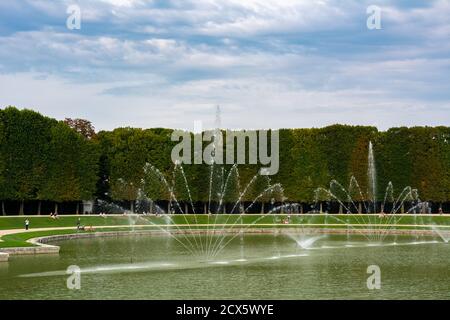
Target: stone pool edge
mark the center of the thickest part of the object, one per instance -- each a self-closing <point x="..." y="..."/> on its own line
<point x="42" y="246"/>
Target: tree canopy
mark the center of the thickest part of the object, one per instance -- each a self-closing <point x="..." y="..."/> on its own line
<point x="45" y="159"/>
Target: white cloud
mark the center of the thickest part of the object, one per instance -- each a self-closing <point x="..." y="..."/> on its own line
<point x="246" y="103"/>
<point x="296" y="63"/>
<point x="431" y="22"/>
<point x="243" y="18"/>
<point x="123" y="3"/>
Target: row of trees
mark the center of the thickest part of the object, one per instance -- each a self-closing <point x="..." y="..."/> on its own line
<point x="309" y="158"/>
<point x="418" y="157"/>
<point x="43" y="159"/>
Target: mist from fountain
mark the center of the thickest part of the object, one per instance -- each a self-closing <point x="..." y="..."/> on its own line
<point x="305" y="241"/>
<point x="445" y="236"/>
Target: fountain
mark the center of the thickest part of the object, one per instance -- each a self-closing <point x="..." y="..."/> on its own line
<point x="372" y="178"/>
<point x="205" y="233"/>
<point x="194" y="239"/>
<point x="218" y="224"/>
<point x="364" y="204"/>
<point x="224" y="191"/>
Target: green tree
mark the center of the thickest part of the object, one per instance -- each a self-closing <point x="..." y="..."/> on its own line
<point x="72" y="167"/>
<point x="24" y="150"/>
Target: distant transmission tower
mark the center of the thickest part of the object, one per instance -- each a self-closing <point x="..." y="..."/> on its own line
<point x="218" y="122"/>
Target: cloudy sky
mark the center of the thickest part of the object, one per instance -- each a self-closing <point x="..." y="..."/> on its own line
<point x="267" y="63"/>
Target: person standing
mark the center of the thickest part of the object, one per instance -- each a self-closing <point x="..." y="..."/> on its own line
<point x="27" y="224"/>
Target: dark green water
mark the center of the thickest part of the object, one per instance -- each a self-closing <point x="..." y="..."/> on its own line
<point x="252" y="267"/>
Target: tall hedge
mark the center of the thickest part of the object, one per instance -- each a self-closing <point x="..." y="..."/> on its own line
<point x="309" y="158"/>
<point x="43" y="159"/>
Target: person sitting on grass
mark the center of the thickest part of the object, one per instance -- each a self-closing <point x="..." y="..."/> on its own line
<point x="54" y="215"/>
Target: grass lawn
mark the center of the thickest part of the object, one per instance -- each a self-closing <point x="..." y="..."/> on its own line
<point x="20" y="239"/>
<point x="17" y="222"/>
<point x="122" y="223"/>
